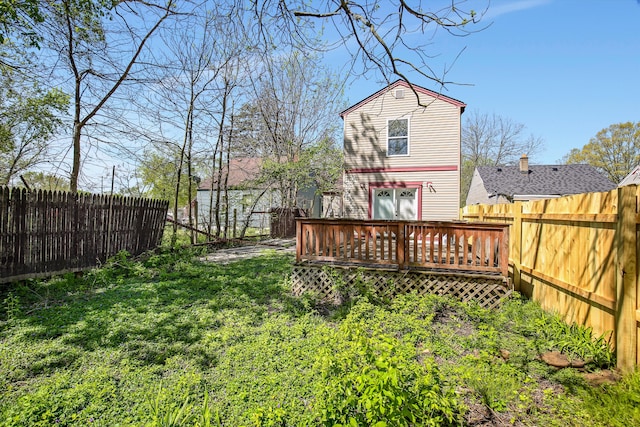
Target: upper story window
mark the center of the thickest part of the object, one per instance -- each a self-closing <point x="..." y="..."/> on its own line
<point x="398" y="137"/>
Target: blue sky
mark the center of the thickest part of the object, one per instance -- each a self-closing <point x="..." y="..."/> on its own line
<point x="564" y="68"/>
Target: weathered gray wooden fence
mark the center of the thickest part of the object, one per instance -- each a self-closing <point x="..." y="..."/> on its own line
<point x="43" y="233"/>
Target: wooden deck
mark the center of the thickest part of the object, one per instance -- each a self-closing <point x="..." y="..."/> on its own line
<point x="405" y="245"/>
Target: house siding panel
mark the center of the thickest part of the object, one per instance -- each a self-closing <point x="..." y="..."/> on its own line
<point x="434" y="153"/>
<point x="434" y="133"/>
<point x="440" y="200"/>
<point x="267" y="200"/>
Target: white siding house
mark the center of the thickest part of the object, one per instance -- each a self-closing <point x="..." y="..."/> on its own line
<point x="247" y="200"/>
<point x="402" y="159"/>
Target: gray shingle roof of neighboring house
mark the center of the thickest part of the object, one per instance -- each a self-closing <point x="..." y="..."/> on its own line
<point x="543" y="180"/>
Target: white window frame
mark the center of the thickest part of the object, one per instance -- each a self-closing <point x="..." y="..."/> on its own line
<point x="408" y="137"/>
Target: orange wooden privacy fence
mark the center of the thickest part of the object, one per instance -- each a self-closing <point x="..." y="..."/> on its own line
<point x="42" y="233"/>
<point x="578" y="257"/>
<point x="469" y="247"/>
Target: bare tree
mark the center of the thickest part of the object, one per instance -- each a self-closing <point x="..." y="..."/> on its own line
<point x="293" y="107"/>
<point x="193" y="88"/>
<point x="97" y="52"/>
<point x="496" y="140"/>
<point x="490" y="139"/>
<point x="392" y="38"/>
<point x="185" y="104"/>
<point x="98" y="49"/>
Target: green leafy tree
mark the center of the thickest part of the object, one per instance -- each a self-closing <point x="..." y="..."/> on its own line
<point x="614" y="150"/>
<point x="318" y="165"/>
<point x="29" y="117"/>
<point x="45" y="181"/>
<point x="18" y="20"/>
<point x="158" y="174"/>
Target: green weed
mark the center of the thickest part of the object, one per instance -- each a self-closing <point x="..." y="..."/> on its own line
<point x="166" y="413"/>
<point x="11" y="306"/>
<point x="230" y="345"/>
<point x="378" y="380"/>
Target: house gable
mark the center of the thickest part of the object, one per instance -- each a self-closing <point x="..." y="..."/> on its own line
<point x="433" y="134"/>
<point x="477" y="192"/>
<point x="408" y="92"/>
<point x="632" y="179"/>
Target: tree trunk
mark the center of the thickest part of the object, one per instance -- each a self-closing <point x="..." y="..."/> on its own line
<point x="75" y="171"/>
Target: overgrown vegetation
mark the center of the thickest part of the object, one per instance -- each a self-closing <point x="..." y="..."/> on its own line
<point x="170" y="341"/>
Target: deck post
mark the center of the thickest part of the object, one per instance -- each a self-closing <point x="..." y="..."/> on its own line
<point x="504" y="252"/>
<point x="298" y="240"/>
<point x="401" y="245"/>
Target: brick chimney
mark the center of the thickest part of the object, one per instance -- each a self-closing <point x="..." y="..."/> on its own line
<point x="524" y="164"/>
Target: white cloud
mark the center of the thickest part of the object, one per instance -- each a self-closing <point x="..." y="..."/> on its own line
<point x="497" y="9"/>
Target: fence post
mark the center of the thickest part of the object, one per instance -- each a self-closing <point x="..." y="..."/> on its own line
<point x="504" y="253"/>
<point x="626" y="280"/>
<point x="20" y="222"/>
<point x="516" y="243"/>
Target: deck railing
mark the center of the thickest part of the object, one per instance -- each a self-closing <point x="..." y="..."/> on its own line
<point x="404" y="245"/>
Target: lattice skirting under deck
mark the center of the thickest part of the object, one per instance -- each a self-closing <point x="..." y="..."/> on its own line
<point x="335" y="283"/>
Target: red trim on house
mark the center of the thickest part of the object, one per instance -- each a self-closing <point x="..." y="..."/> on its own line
<point x="406" y="169"/>
<point x="417" y="88"/>
<point x="392" y="184"/>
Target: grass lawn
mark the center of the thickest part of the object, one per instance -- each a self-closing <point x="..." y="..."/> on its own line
<point x="170" y="341"/>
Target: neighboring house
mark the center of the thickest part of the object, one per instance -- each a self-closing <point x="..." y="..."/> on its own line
<point x="245" y="197"/>
<point x="632" y="179"/>
<point x="402" y="160"/>
<point x="506" y="184"/>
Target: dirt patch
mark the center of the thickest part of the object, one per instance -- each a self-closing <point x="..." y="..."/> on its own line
<point x="479" y="415"/>
<point x="229" y="255"/>
<point x="448" y="318"/>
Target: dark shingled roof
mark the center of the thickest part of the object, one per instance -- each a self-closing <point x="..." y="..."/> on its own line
<point x="543" y="179"/>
